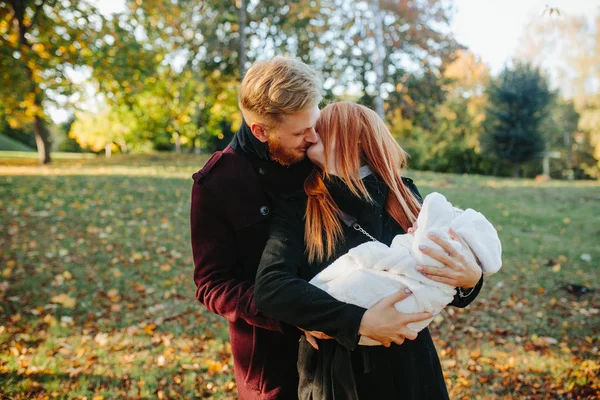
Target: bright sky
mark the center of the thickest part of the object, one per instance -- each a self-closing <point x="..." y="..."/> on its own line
<point x="492" y="28"/>
<point x="489" y="28"/>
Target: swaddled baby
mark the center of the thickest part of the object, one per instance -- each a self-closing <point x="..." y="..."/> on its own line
<point x="372" y="271"/>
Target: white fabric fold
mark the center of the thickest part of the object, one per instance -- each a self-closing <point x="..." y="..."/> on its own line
<point x="369" y="272"/>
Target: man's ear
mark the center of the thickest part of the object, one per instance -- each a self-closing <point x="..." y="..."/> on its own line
<point x="258" y="130"/>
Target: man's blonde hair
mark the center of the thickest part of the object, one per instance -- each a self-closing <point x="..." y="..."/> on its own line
<point x="278" y="87"/>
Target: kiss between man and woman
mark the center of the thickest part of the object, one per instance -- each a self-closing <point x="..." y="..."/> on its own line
<point x="298" y="189"/>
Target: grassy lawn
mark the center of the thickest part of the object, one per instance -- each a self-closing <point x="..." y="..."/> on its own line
<point x="97" y="299"/>
<point x="9" y="144"/>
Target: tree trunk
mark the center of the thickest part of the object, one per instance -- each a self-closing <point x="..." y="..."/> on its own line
<point x="516" y="171"/>
<point x="546" y="165"/>
<point x="177" y="139"/>
<point x="42" y="136"/>
<point x="108" y="150"/>
<point x="42" y="139"/>
<point x="378" y="56"/>
<point x="242" y="50"/>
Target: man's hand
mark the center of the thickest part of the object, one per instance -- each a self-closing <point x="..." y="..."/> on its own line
<point x="312" y="336"/>
<point x="384" y="323"/>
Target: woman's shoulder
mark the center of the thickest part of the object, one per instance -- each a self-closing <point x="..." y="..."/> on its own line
<point x="410" y="184"/>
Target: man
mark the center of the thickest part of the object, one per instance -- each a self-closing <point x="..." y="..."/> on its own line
<point x="232" y="200"/>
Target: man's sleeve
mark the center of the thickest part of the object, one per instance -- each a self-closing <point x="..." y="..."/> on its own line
<point x="216" y="269"/>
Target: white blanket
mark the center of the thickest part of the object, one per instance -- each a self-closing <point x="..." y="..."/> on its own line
<point x="372" y="271"/>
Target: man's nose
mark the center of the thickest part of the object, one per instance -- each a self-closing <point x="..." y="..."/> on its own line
<point x="312" y="136"/>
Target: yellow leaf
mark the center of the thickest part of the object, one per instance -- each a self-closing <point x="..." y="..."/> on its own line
<point x="566" y="220"/>
<point x="165" y="267"/>
<point x="149" y="329"/>
<point x="38" y="48"/>
<point x="115" y="308"/>
<point x="64" y="300"/>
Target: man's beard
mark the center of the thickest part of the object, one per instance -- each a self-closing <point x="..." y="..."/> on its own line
<point x="280" y="155"/>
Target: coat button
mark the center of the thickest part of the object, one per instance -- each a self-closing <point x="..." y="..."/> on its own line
<point x="264" y="210"/>
<point x="262" y="171"/>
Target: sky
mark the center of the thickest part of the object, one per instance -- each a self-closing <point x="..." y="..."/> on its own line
<point x="492" y="29"/>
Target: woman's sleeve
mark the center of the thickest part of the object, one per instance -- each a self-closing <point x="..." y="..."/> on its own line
<point x="467" y="295"/>
<point x="281" y="293"/>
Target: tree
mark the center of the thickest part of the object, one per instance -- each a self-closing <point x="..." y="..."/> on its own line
<point x="569" y="48"/>
<point x="40" y="41"/>
<point x="242" y="50"/>
<point x="518" y="102"/>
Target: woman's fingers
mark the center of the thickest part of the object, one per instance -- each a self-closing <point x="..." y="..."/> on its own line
<point x="444" y="244"/>
<point x="441" y="256"/>
<point x="400" y="340"/>
<point x="456" y="236"/>
<point x="435" y="271"/>
<point x="417" y="317"/>
<point x="396" y="297"/>
<point x="443" y="279"/>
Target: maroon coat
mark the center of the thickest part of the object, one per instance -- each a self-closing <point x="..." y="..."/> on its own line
<point x="231" y="205"/>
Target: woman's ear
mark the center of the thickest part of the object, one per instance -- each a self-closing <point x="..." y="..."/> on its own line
<point x="258" y="130"/>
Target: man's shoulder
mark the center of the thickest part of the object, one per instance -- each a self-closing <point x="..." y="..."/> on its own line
<point x="223" y="165"/>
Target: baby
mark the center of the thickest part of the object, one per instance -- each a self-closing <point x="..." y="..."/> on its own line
<point x="372" y="271"/>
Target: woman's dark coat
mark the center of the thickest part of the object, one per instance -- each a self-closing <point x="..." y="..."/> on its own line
<point x="341" y="369"/>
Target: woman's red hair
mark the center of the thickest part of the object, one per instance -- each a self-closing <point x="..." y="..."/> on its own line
<point x="360" y="137"/>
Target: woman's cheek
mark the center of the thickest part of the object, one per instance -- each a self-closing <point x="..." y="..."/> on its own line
<point x="315" y="154"/>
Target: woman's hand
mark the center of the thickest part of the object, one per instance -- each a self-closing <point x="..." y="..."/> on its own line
<point x="385" y="324"/>
<point x="461" y="268"/>
<point x="312" y="336"/>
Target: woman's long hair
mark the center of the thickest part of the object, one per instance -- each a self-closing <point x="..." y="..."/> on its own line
<point x="360" y="137"/>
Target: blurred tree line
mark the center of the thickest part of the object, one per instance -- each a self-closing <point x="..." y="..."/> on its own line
<point x="166" y="73"/>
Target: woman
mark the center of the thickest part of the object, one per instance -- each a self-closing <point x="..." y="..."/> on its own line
<point x="359" y="167"/>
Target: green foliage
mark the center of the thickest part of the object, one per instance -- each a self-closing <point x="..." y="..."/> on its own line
<point x="61" y="141"/>
<point x="518" y="102"/>
<point x="40" y="40"/>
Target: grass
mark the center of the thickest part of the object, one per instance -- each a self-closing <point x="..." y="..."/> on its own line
<point x="9" y="144"/>
<point x="98" y="301"/>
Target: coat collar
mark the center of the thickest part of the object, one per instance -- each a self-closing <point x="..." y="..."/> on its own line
<point x="244" y="142"/>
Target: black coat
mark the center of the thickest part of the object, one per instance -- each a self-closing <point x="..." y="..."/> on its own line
<point x="341" y="369"/>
